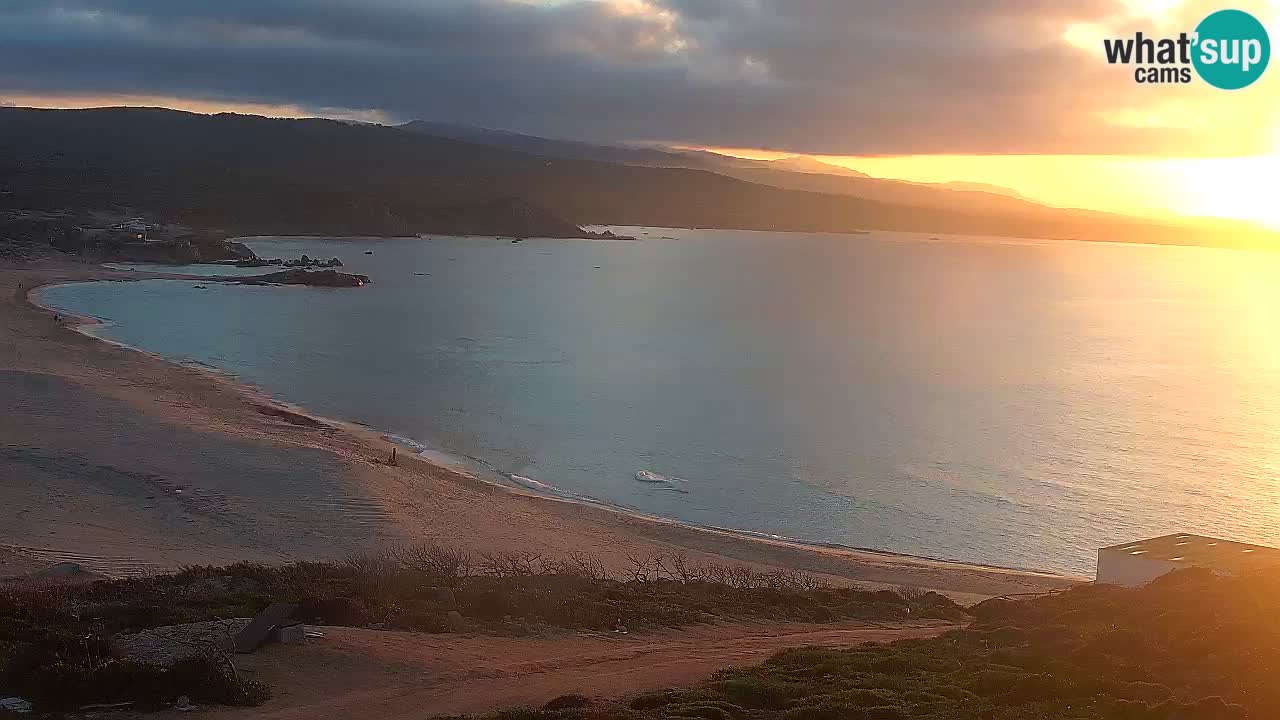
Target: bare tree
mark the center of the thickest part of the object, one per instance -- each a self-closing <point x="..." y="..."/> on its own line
<point x="448" y="565"/>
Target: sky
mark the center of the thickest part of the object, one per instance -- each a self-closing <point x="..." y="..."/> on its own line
<point x="1009" y="92"/>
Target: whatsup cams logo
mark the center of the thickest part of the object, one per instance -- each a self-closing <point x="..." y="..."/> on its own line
<point x="1229" y="49"/>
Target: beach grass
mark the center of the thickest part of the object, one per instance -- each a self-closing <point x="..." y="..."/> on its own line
<point x="58" y="649"/>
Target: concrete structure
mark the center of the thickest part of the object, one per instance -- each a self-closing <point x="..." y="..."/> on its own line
<point x="1138" y="563"/>
<point x="139" y="228"/>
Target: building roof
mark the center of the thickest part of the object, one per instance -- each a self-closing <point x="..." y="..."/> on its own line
<point x="1200" y="551"/>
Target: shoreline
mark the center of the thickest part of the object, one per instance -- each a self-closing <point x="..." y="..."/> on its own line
<point x="553" y="493"/>
<point x="832" y="561"/>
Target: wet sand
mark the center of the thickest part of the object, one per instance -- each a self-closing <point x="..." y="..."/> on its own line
<point x="127" y="463"/>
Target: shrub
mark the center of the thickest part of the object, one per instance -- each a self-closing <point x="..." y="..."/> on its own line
<point x="567" y="702"/>
<point x="761" y="693"/>
<point x="1191" y="646"/>
<point x="53" y="639"/>
<point x="60" y="671"/>
<point x="706" y="710"/>
<point x="650" y="701"/>
<point x="445" y="565"/>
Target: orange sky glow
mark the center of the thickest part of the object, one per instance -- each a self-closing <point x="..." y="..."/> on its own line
<point x="1181" y="184"/>
<point x="1239" y="188"/>
<point x="1187" y="181"/>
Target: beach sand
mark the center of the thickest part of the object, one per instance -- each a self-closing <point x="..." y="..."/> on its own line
<point x="126" y="463"/>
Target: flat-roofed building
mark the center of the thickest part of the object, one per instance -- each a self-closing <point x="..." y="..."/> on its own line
<point x="1138" y="563"/>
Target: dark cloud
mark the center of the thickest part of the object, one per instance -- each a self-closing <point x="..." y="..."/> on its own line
<point x="823" y="76"/>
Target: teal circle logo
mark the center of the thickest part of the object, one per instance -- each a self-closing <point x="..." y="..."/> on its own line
<point x="1232" y="49"/>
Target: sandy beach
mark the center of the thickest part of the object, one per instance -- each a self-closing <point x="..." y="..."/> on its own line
<point x="126" y="463"/>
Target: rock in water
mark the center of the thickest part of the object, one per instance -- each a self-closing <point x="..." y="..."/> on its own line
<point x="315" y="278"/>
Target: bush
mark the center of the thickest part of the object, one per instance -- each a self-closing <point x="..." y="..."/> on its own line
<point x="61" y="671"/>
<point x="1189" y="647"/>
<point x="760" y="693"/>
<point x="567" y="702"/>
<point x="54" y="639"/>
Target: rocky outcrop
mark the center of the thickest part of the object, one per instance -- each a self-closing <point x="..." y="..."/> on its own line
<point x="188" y="249"/>
<point x="164" y="646"/>
<point x="302" y="262"/>
<point x="241" y="251"/>
<point x="310" y="262"/>
<point x="315" y="278"/>
<point x="610" y="235"/>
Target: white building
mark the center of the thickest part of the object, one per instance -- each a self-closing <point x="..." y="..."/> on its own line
<point x="1138" y="563"/>
<point x="138" y="227"/>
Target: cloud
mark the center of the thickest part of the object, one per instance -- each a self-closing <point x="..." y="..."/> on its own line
<point x="822" y="76"/>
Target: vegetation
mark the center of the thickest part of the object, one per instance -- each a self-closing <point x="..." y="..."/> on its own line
<point x="414" y="588"/>
<point x="1191" y="646"/>
<point x="253" y="175"/>
<point x="55" y="644"/>
<point x="65" y="672"/>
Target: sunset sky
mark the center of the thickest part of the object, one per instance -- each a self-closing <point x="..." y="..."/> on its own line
<point x="1009" y="92"/>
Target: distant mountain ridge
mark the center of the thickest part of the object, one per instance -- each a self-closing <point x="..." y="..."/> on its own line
<point x="803" y="164"/>
<point x="797" y="172"/>
<point x="573" y="149"/>
<point x="254" y="175"/>
<point x="981" y="187"/>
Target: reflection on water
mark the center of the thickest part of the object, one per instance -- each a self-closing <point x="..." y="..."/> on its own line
<point x="1019" y="403"/>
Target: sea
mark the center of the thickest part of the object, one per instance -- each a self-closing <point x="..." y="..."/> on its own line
<point x="1013" y="402"/>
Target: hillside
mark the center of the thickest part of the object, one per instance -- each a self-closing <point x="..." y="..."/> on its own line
<point x="250" y="174"/>
<point x="802" y="164"/>
<point x="967" y="199"/>
<point x="788" y="173"/>
<point x="982" y="187"/>
<point x="574" y="149"/>
<point x="811" y="175"/>
<point x="1190" y="646"/>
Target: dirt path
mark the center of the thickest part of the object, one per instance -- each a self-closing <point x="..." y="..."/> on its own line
<point x="373" y="675"/>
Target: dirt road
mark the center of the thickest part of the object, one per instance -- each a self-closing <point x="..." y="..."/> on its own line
<point x="374" y="675"/>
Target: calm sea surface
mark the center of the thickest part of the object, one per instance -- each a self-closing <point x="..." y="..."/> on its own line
<point x="1011" y="402"/>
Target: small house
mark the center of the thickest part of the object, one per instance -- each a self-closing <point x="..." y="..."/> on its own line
<point x="1138" y="563"/>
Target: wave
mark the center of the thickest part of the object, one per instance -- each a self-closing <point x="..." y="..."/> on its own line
<point x="430" y="454"/>
<point x="487" y="471"/>
<point x="547" y="489"/>
<point x="531" y="484"/>
<point x="674" y="484"/>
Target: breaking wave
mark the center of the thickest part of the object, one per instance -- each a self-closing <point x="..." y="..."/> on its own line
<point x="655" y="478"/>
